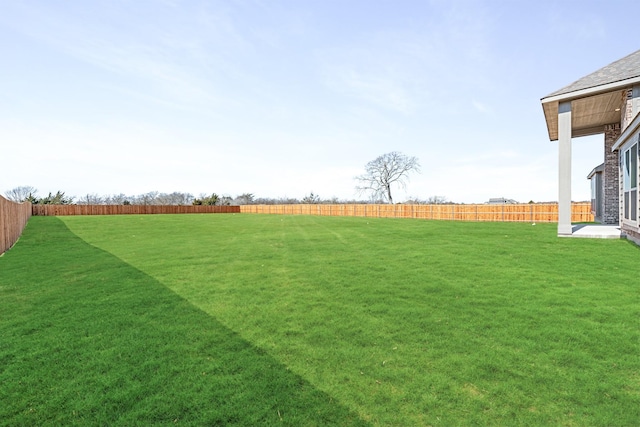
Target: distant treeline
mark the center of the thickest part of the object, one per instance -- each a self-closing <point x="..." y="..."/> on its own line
<point x="30" y="194"/>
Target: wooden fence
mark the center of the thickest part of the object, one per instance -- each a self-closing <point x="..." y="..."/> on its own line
<point x="548" y="212"/>
<point x="14" y="216"/>
<point x="13" y="219"/>
<point x="62" y="210"/>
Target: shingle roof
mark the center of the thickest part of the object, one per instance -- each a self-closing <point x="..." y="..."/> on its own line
<point x="622" y="69"/>
<point x="597" y="169"/>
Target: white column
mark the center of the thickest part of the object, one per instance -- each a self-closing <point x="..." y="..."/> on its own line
<point x="564" y="170"/>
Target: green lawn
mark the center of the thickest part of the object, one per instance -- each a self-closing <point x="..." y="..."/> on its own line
<point x="305" y="320"/>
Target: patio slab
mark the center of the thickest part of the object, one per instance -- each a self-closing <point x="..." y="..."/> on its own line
<point x="596" y="231"/>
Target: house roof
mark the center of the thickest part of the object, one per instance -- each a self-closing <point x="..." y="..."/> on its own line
<point x="501" y="201"/>
<point x="594" y="98"/>
<point x="596" y="170"/>
<point x="620" y="70"/>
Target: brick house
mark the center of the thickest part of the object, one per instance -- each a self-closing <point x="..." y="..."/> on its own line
<point x="606" y="102"/>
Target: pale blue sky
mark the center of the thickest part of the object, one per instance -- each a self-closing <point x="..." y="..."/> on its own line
<point x="282" y="98"/>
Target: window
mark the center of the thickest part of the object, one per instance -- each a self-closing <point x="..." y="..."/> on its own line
<point x="630" y="183"/>
<point x="596" y="194"/>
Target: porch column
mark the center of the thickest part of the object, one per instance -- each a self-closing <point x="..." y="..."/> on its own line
<point x="564" y="169"/>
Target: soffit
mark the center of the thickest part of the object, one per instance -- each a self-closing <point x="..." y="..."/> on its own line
<point x="589" y="115"/>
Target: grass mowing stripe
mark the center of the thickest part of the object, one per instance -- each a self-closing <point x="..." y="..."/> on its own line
<point x="88" y="340"/>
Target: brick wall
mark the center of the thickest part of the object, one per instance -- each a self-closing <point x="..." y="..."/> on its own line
<point x="611" y="176"/>
<point x="631" y="234"/>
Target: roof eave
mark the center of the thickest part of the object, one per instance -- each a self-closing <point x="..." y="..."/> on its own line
<point x="582" y="93"/>
<point x="597" y="169"/>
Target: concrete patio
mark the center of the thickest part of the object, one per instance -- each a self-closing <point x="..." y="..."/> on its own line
<point x="595" y="231"/>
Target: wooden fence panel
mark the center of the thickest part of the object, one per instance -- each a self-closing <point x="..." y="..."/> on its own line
<point x="547" y="212"/>
<point x="582" y="213"/>
<point x="63" y="210"/>
<point x="13" y="219"/>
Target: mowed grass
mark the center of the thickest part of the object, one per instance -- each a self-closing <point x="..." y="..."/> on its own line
<point x="305" y="320"/>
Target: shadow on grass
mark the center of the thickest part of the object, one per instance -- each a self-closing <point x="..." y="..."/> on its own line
<point x="88" y="339"/>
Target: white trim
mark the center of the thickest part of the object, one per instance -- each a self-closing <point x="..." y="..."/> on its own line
<point x="627" y="179"/>
<point x="582" y="93"/>
<point x="628" y="132"/>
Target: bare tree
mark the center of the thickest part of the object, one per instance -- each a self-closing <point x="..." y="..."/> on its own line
<point x="431" y="200"/>
<point x="117" y="199"/>
<point x="182" y="199"/>
<point x="20" y="194"/>
<point x="175" y="198"/>
<point x="91" y="199"/>
<point x="386" y="170"/>
<point x="149" y="198"/>
<point x="311" y="199"/>
<point x="225" y="200"/>
<point x="244" y="199"/>
<point x="437" y="200"/>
